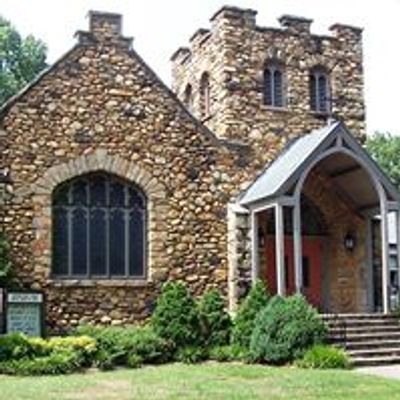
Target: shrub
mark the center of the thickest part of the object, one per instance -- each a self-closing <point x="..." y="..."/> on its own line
<point x="254" y="302"/>
<point x="284" y="329"/>
<point x="54" y="364"/>
<point x="115" y="344"/>
<point x="134" y="361"/>
<point x="176" y="315"/>
<point x="215" y="321"/>
<point x="15" y="346"/>
<point x="228" y="353"/>
<point x="191" y="354"/>
<point x="324" y="357"/>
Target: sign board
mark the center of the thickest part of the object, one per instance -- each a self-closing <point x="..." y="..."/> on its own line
<point x="25" y="313"/>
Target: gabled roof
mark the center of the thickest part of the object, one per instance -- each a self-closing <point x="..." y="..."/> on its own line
<point x="279" y="176"/>
<point x="91" y="40"/>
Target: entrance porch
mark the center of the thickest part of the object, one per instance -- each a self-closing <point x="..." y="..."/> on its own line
<point x="318" y="223"/>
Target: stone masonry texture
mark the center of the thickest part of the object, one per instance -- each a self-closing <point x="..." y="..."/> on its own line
<point x="101" y="108"/>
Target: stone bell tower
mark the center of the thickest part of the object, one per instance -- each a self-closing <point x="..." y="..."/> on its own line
<point x="234" y="54"/>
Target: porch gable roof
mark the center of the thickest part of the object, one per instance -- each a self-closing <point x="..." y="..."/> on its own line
<point x="280" y="175"/>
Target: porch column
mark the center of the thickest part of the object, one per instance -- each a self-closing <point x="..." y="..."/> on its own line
<point x="385" y="257"/>
<point x="297" y="241"/>
<point x="280" y="250"/>
<point x="254" y="247"/>
<point x="398" y="249"/>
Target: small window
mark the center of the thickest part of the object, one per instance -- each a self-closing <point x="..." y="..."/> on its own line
<point x="273" y="85"/>
<point x="99" y="228"/>
<point x="205" y="93"/>
<point x="319" y="91"/>
<point x="188" y="97"/>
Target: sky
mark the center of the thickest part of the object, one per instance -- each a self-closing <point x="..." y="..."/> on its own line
<point x="160" y="26"/>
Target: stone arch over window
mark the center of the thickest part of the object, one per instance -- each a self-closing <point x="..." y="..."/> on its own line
<point x="119" y="170"/>
<point x="274" y="84"/>
<point x="319" y="87"/>
<point x="99" y="228"/>
<point x="205" y="95"/>
<point x="188" y="97"/>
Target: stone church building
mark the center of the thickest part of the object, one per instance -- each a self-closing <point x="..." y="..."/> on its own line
<point x="250" y="167"/>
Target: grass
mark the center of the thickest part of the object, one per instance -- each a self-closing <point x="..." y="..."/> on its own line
<point x="207" y="381"/>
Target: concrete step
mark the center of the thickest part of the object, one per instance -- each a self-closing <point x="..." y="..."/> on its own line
<point x="369" y="361"/>
<point x="371" y="344"/>
<point x="374" y="352"/>
<point x="361" y="337"/>
<point x="363" y="322"/>
<point x="357" y="316"/>
<point x="368" y="339"/>
<point x="364" y="329"/>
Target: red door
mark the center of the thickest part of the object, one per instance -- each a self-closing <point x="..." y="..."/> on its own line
<point x="312" y="271"/>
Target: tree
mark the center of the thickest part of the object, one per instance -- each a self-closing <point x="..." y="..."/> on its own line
<point x="385" y="149"/>
<point x="21" y="59"/>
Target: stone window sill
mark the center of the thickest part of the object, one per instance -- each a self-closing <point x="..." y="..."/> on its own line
<point x="276" y="109"/>
<point x="99" y="282"/>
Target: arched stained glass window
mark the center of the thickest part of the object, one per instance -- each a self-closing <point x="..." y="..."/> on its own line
<point x="99" y="228"/>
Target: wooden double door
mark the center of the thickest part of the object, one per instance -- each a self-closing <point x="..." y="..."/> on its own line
<point x="312" y="268"/>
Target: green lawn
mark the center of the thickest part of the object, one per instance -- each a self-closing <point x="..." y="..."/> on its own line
<point x="207" y="381"/>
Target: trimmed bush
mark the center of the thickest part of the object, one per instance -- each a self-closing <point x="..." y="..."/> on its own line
<point x="16" y="346"/>
<point x="254" y="302"/>
<point x="228" y="353"/>
<point x="191" y="354"/>
<point x="55" y="363"/>
<point x="216" y="323"/>
<point x="116" y="344"/>
<point x="176" y="316"/>
<point x="285" y="329"/>
<point x="20" y="355"/>
<point x="324" y="357"/>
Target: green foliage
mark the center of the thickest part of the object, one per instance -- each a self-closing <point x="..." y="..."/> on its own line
<point x="15" y="346"/>
<point x="216" y="323"/>
<point x="284" y="329"/>
<point x="176" y="316"/>
<point x="55" y="363"/>
<point x="254" y="302"/>
<point x="21" y="60"/>
<point x="324" y="357"/>
<point x="6" y="273"/>
<point x="21" y="355"/>
<point x="385" y="149"/>
<point x="134" y="361"/>
<point x="191" y="354"/>
<point x="228" y="353"/>
<point x="116" y="344"/>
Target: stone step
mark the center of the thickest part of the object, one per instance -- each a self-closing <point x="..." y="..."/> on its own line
<point x="362" y="323"/>
<point x="357" y="316"/>
<point x="371" y="344"/>
<point x="368" y="339"/>
<point x="362" y="337"/>
<point x="364" y="329"/>
<point x="369" y="361"/>
<point x="374" y="352"/>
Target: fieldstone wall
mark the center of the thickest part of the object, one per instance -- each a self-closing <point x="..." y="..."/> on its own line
<point x="101" y="108"/>
<point x="234" y="52"/>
